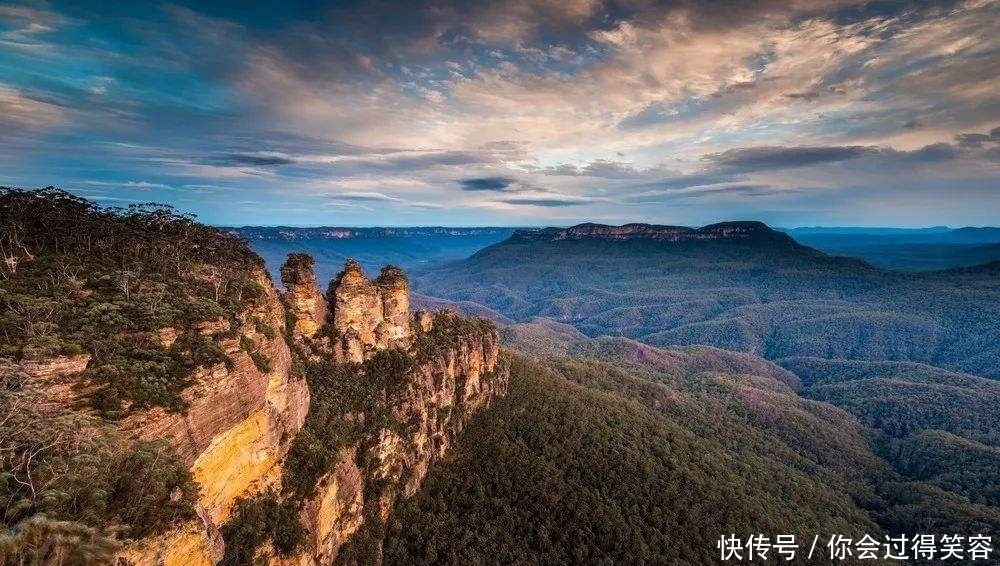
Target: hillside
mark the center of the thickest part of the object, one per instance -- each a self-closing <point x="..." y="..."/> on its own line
<point x="937" y="428"/>
<point x="161" y="403"/>
<point x="927" y="249"/>
<point x="754" y="290"/>
<point x="610" y="451"/>
<point x="596" y="462"/>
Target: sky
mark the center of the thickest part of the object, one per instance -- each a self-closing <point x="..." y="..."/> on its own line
<point x="510" y="112"/>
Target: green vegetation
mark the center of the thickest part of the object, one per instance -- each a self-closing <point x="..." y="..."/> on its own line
<point x="77" y="278"/>
<point x="254" y="522"/>
<point x="447" y="329"/>
<point x="40" y="541"/>
<point x="939" y="429"/>
<point x="590" y="461"/>
<point x="80" y="479"/>
<point x="348" y="404"/>
<point x="914" y="356"/>
<point x="260" y="359"/>
<point x="336" y="392"/>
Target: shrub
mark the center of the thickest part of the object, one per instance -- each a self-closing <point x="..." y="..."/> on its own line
<point x="257" y="521"/>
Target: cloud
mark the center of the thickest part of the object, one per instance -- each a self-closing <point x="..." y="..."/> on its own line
<point x="938" y="152"/>
<point x="544" y="103"/>
<point x="547" y="202"/>
<point x="497" y="184"/>
<point x="364" y="197"/>
<point x="779" y="157"/>
<point x="973" y="140"/>
<point x="140" y="185"/>
<point x="253" y="159"/>
<point x="602" y="168"/>
<point x="23" y="112"/>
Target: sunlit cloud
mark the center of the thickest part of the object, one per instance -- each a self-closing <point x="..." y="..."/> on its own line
<point x="512" y="112"/>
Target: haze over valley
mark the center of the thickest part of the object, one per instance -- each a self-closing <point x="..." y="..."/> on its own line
<point x="506" y="282"/>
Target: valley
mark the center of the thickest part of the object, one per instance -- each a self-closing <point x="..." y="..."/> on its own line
<point x="632" y="394"/>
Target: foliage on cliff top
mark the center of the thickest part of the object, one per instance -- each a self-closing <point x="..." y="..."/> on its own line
<point x="448" y="329"/>
<point x="74" y="484"/>
<point x="75" y="277"/>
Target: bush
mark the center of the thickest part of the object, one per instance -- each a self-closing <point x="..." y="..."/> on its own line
<point x="85" y="470"/>
<point x="257" y="521"/>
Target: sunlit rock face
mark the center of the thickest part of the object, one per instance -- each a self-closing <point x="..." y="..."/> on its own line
<point x="442" y="393"/>
<point x="242" y="419"/>
<point x="235" y="434"/>
<point x="307" y="304"/>
<point x="368" y="316"/>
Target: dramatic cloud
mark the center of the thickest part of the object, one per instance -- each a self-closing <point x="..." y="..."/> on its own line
<point x="785" y="157"/>
<point x="260" y="160"/>
<point x="487" y="184"/>
<point x="510" y="112"/>
<point x="550" y="202"/>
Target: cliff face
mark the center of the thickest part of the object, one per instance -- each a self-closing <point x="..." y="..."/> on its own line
<point x="242" y="420"/>
<point x="442" y="393"/>
<point x="235" y="434"/>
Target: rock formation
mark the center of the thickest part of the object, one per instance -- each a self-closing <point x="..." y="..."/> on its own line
<point x="52" y="367"/>
<point x="368" y="316"/>
<point x="242" y="421"/>
<point x="234" y="435"/>
<point x="307" y="304"/>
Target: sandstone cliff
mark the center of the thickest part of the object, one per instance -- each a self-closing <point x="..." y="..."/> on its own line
<point x="307" y="304"/>
<point x="443" y="391"/>
<point x="243" y="419"/>
<point x="235" y="433"/>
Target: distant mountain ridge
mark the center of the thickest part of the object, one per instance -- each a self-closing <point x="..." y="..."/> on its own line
<point x="736" y="230"/>
<point x="735" y="285"/>
<point x="922" y="249"/>
<point x="336" y="232"/>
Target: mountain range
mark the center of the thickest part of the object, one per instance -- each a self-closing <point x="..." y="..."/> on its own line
<point x="649" y="389"/>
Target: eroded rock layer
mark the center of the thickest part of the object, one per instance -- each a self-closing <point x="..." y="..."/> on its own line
<point x="243" y="417"/>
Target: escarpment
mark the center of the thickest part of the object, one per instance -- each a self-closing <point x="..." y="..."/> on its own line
<point x="386" y="392"/>
<point x="235" y="434"/>
<point x="722" y="231"/>
<point x="427" y="375"/>
<point x="161" y="396"/>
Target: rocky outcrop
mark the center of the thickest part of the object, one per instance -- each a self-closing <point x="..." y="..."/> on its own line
<point x="307" y="304"/>
<point x="243" y="417"/>
<point x="53" y="367"/>
<point x="441" y="394"/>
<point x="368" y="316"/>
